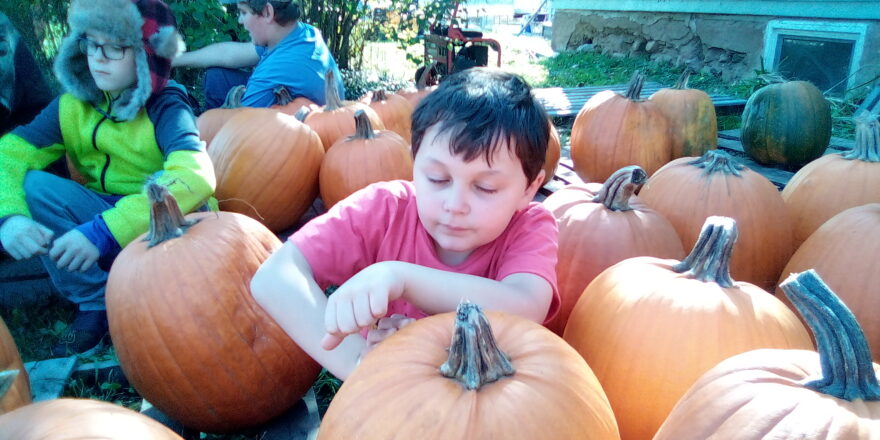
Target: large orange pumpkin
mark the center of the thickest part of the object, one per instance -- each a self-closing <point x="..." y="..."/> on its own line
<point x="367" y="157"/>
<point x="65" y="419"/>
<point x="189" y="336"/>
<point x="394" y="110"/>
<point x="835" y="182"/>
<point x="690" y="189"/>
<point x="764" y="394"/>
<point x="19" y="391"/>
<point x="267" y="166"/>
<point x="554" y="152"/>
<point x="845" y="251"/>
<point x="601" y="225"/>
<point x="650" y="327"/>
<point x="335" y="120"/>
<point x="691" y="115"/>
<point x="612" y="131"/>
<point x="527" y="384"/>
<point x="211" y="121"/>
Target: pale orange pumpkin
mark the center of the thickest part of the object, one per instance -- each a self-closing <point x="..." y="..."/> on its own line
<point x="835" y="182"/>
<point x="601" y="225"/>
<point x="394" y="110"/>
<point x="367" y="157"/>
<point x="764" y="394"/>
<point x="691" y="115"/>
<point x="335" y="120"/>
<point x="287" y="104"/>
<point x="612" y="131"/>
<point x="64" y="419"/>
<point x="267" y="166"/>
<point x="426" y="82"/>
<point x="692" y="188"/>
<point x="650" y="327"/>
<point x="845" y="251"/>
<point x="188" y="334"/>
<point x="18" y="387"/>
<point x="554" y="152"/>
<point x="211" y="121"/>
<point x="511" y="380"/>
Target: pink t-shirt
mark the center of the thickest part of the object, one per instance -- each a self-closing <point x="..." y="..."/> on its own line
<point x="381" y="223"/>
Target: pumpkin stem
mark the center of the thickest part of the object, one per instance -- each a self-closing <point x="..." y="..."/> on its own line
<point x="363" y="127"/>
<point x="634" y="90"/>
<point x="379" y="95"/>
<point x="474" y="357"/>
<point x="7" y="378"/>
<point x="332" y="93"/>
<point x="302" y="113"/>
<point x="282" y="95"/>
<point x="682" y="83"/>
<point x="718" y="161"/>
<point x="617" y="190"/>
<point x="867" y="146"/>
<point x="847" y="369"/>
<point x="233" y="97"/>
<point x="710" y="258"/>
<point x="166" y="220"/>
<point x="422" y="82"/>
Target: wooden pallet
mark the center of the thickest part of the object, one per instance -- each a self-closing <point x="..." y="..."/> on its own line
<point x="568" y="101"/>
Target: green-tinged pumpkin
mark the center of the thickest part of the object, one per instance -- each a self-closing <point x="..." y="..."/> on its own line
<point x="511" y="380"/>
<point x="691" y="115"/>
<point x="602" y="225"/>
<point x="786" y="124"/>
<point x="188" y="334"/>
<point x="650" y="327"/>
<point x="789" y="394"/>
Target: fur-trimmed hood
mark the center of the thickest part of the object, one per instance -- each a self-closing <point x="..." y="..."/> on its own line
<point x="147" y="26"/>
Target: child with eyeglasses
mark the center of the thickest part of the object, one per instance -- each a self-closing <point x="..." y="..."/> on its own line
<point x="120" y="122"/>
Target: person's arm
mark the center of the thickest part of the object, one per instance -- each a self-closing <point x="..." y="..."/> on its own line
<point x="285" y="288"/>
<point x="364" y="298"/>
<point x="230" y="54"/>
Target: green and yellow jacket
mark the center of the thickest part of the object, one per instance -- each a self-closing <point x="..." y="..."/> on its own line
<point x="115" y="157"/>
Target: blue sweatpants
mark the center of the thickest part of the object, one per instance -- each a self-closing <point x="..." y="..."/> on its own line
<point x="218" y="82"/>
<point x="61" y="205"/>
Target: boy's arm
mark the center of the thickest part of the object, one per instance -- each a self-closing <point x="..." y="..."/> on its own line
<point x="285" y="288"/>
<point x="230" y="54"/>
<point x="365" y="297"/>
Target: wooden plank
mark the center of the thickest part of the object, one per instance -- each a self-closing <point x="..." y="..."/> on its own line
<point x="835" y="145"/>
<point x="49" y="377"/>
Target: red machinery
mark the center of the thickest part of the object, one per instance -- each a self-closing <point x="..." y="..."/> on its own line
<point x="453" y="49"/>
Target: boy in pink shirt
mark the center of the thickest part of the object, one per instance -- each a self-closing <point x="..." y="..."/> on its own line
<point x="465" y="228"/>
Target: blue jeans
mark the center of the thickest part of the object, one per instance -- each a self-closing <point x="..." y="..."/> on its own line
<point x="61" y="205"/>
<point x="218" y="82"/>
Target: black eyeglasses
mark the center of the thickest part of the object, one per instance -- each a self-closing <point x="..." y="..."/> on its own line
<point x="110" y="51"/>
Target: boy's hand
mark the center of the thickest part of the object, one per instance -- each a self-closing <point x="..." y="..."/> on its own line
<point x="360" y="301"/>
<point x="73" y="251"/>
<point x="23" y="238"/>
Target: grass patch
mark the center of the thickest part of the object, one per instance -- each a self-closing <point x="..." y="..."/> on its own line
<point x="38" y="326"/>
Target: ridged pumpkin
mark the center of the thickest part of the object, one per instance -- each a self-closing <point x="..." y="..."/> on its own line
<point x="189" y="336"/>
<point x="612" y="131"/>
<point x="211" y="121"/>
<point x="367" y="157"/>
<point x="789" y="394"/>
<point x="845" y="251"/>
<point x="650" y="327"/>
<point x="522" y="383"/>
<point x="426" y="82"/>
<point x="691" y="115"/>
<point x="335" y="120"/>
<point x="554" y="152"/>
<point x="267" y="166"/>
<point x="602" y="225"/>
<point x="19" y="391"/>
<point x="65" y="419"/>
<point x="835" y="182"/>
<point x="394" y="110"/>
<point x="786" y="124"/>
<point x="287" y="104"/>
<point x="689" y="189"/>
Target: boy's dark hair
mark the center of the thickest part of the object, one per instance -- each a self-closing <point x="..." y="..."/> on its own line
<point x="286" y="11"/>
<point x="480" y="108"/>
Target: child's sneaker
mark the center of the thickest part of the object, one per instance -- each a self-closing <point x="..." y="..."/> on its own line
<point x="86" y="332"/>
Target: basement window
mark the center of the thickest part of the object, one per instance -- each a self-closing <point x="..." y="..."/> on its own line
<point x="824" y="53"/>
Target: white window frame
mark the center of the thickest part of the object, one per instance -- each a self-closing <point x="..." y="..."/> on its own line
<point x="836" y="30"/>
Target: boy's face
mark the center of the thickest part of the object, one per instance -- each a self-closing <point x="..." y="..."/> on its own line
<point x="253" y="22"/>
<point x="112" y="66"/>
<point x="464" y="205"/>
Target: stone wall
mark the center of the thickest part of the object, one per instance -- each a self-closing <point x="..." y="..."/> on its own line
<point x="730" y="46"/>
